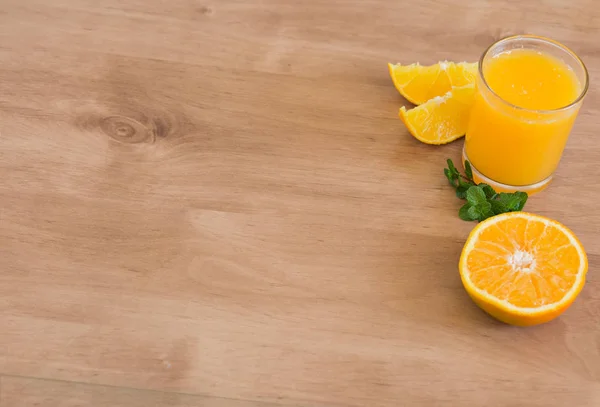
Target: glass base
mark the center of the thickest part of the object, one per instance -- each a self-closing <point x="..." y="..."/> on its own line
<point x="479" y="178"/>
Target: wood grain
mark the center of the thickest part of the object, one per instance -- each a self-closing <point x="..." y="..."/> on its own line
<point x="27" y="392"/>
<point x="217" y="198"/>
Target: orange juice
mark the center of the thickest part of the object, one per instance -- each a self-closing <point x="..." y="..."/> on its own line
<point x="523" y="113"/>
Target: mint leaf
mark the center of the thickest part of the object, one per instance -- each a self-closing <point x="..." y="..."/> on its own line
<point x="508" y="200"/>
<point x="485" y="209"/>
<point x="482" y="200"/>
<point x="475" y="195"/>
<point x="523" y="199"/>
<point x="497" y="207"/>
<point x="461" y="190"/>
<point x="489" y="191"/>
<point x="481" y="211"/>
<point x="468" y="170"/>
<point x="474" y="212"/>
<point x="451" y="166"/>
<point x="452" y="174"/>
<point x="449" y="176"/>
<point x="464" y="214"/>
<point x="513" y="201"/>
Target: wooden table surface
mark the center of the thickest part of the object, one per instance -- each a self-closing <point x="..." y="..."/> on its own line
<point x="215" y="204"/>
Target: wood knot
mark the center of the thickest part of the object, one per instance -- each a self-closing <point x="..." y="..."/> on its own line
<point x="126" y="130"/>
<point x="205" y="10"/>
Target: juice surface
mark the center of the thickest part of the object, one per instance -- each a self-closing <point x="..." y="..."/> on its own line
<point x="532" y="80"/>
<point x="515" y="146"/>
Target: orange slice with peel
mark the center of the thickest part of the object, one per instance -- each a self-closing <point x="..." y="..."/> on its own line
<point x="523" y="269"/>
<point x="419" y="83"/>
<point x="442" y="119"/>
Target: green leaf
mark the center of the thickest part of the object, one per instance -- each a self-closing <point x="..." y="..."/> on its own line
<point x="451" y="166"/>
<point x="452" y="174"/>
<point x="497" y="206"/>
<point x="489" y="191"/>
<point x="485" y="209"/>
<point x="468" y="170"/>
<point x="473" y="212"/>
<point x="513" y="201"/>
<point x="482" y="200"/>
<point x="508" y="200"/>
<point x="523" y="199"/>
<point x="475" y="195"/>
<point x="463" y="212"/>
<point x="461" y="181"/>
<point x="449" y="176"/>
<point x="480" y="211"/>
<point x="461" y="190"/>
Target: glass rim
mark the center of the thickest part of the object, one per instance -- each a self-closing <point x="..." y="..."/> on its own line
<point x="547" y="40"/>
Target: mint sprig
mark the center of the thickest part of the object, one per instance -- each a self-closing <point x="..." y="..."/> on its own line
<point x="482" y="200"/>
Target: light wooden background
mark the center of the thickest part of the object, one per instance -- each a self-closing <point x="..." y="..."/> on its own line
<point x="213" y="203"/>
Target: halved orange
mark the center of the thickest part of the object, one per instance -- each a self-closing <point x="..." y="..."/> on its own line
<point x="419" y="83"/>
<point x="442" y="119"/>
<point x="523" y="269"/>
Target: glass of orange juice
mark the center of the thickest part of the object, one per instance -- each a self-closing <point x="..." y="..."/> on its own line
<point x="529" y="92"/>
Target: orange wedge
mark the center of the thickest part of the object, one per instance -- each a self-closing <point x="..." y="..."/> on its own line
<point x="419" y="83"/>
<point x="523" y="269"/>
<point x="442" y="119"/>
